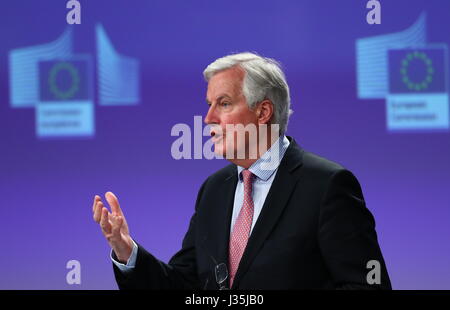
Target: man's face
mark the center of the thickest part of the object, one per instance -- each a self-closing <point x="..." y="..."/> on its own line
<point x="227" y="105"/>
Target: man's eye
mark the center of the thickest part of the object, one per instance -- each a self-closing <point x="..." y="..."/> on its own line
<point x="225" y="104"/>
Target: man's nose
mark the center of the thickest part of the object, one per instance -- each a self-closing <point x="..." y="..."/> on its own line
<point x="211" y="116"/>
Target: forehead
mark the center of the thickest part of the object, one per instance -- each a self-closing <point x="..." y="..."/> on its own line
<point x="227" y="82"/>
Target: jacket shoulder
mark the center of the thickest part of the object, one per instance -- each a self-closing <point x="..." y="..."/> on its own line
<point x="320" y="166"/>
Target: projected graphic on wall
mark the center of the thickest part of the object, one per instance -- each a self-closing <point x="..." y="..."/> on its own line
<point x="410" y="74"/>
<point x="418" y="95"/>
<point x="59" y="84"/>
<point x="65" y="105"/>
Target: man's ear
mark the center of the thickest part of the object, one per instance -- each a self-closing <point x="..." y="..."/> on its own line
<point x="265" y="111"/>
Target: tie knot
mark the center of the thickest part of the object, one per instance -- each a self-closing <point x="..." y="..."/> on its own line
<point x="247" y="176"/>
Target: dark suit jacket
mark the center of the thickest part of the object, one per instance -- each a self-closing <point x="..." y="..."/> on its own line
<point x="314" y="232"/>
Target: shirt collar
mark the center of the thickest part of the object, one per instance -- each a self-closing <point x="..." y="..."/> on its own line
<point x="268" y="163"/>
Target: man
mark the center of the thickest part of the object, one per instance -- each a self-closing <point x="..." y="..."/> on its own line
<point x="281" y="219"/>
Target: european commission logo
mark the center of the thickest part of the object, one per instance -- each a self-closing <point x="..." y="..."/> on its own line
<point x="59" y="84"/>
<point x="410" y="74"/>
<point x="418" y="94"/>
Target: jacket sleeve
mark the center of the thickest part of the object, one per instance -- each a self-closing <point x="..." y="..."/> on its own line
<point x="347" y="236"/>
<point x="151" y="273"/>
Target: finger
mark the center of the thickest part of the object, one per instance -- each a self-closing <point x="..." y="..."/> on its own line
<point x="98" y="211"/>
<point x="96" y="199"/>
<point x="117" y="222"/>
<point x="104" y="221"/>
<point x="113" y="203"/>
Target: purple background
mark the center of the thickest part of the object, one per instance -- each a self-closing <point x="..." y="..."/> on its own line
<point x="47" y="186"/>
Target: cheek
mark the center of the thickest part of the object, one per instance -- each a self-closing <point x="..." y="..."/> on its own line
<point x="240" y="117"/>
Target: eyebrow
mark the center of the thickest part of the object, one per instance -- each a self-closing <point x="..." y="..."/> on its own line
<point x="219" y="98"/>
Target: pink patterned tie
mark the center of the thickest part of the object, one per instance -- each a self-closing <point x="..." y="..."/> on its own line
<point x="241" y="229"/>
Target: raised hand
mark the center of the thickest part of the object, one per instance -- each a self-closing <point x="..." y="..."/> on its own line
<point x="113" y="225"/>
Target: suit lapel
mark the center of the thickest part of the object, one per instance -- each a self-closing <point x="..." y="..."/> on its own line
<point x="276" y="200"/>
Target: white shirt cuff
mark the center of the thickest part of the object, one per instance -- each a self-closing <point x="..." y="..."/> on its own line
<point x="131" y="263"/>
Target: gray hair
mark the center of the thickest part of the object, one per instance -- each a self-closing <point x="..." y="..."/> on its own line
<point x="264" y="79"/>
